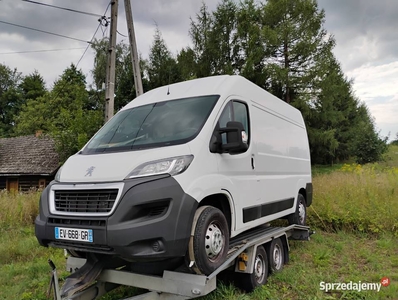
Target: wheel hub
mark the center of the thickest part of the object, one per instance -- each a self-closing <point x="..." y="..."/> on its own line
<point x="259" y="268"/>
<point x="277" y="257"/>
<point x="214" y="241"/>
<point x="301" y="212"/>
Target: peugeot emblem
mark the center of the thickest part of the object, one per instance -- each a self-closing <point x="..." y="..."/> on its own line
<point x="89" y="171"/>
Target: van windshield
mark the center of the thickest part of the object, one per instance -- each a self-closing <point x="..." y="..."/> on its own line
<point x="154" y="125"/>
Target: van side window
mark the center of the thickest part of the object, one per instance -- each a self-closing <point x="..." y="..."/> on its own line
<point x="226" y="116"/>
<point x="240" y="113"/>
<point x="235" y="111"/>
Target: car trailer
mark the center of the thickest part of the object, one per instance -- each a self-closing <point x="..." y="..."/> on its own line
<point x="252" y="254"/>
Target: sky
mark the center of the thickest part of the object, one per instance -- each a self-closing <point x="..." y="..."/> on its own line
<point x="365" y="32"/>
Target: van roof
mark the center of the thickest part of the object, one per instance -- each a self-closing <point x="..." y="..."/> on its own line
<point x="214" y="85"/>
<point x="223" y="85"/>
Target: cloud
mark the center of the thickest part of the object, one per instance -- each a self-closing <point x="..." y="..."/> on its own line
<point x="375" y="81"/>
<point x="172" y="17"/>
<point x="377" y="87"/>
<point x="365" y="30"/>
<point x="367" y="47"/>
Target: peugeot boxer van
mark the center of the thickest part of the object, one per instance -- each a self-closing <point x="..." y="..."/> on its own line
<point x="180" y="171"/>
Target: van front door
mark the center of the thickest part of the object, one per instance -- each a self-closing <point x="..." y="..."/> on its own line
<point x="239" y="169"/>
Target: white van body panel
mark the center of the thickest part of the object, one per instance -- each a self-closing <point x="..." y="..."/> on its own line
<point x="110" y="167"/>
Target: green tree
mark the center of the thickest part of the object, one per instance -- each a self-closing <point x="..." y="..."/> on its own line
<point x="221" y="38"/>
<point x="124" y="80"/>
<point x="33" y="86"/>
<point x="122" y="70"/>
<point x="64" y="113"/>
<point x="295" y="39"/>
<point x="186" y="63"/>
<point x="200" y="32"/>
<point x="369" y="145"/>
<point x="395" y="142"/>
<point x="10" y="99"/>
<point x="162" y="68"/>
<point x="249" y="44"/>
<point x="332" y="114"/>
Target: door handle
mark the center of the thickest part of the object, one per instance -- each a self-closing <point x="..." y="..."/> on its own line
<point x="253" y="165"/>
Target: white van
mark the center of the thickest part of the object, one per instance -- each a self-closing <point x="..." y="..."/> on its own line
<point x="180" y="171"/>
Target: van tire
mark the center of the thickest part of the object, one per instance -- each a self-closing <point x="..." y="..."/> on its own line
<point x="210" y="242"/>
<point x="248" y="282"/>
<point x="300" y="215"/>
<point x="276" y="255"/>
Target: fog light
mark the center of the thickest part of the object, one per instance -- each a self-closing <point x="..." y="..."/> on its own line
<point x="157" y="246"/>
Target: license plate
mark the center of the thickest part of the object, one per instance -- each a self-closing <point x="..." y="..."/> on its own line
<point x="74" y="234"/>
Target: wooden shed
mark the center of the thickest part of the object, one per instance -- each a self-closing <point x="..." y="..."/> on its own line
<point x="27" y="162"/>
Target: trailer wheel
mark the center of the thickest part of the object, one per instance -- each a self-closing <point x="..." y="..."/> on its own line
<point x="210" y="242"/>
<point x="276" y="258"/>
<point x="249" y="282"/>
<point x="300" y="215"/>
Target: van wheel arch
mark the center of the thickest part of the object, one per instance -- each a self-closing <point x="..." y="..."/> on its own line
<point x="221" y="202"/>
<point x="303" y="192"/>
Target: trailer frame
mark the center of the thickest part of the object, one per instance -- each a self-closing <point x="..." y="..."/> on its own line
<point x="176" y="284"/>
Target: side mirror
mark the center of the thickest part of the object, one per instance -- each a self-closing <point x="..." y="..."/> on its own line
<point x="235" y="133"/>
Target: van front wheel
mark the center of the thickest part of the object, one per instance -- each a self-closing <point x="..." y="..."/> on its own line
<point x="300" y="215"/>
<point x="210" y="242"/>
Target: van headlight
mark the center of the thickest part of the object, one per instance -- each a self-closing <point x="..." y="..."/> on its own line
<point x="172" y="166"/>
<point x="58" y="175"/>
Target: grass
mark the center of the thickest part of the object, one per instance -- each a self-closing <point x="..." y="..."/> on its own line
<point x="328" y="257"/>
<point x="355" y="214"/>
<point x="325" y="169"/>
<point x="361" y="199"/>
<point x="18" y="210"/>
<point x="24" y="271"/>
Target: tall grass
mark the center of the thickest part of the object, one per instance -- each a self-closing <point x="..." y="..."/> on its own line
<point x="17" y="210"/>
<point x="357" y="198"/>
<point x="24" y="271"/>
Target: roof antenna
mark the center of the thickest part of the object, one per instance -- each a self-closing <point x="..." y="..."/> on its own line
<point x="168" y="87"/>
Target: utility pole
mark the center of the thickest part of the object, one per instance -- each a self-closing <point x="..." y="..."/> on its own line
<point x="110" y="70"/>
<point x="133" y="49"/>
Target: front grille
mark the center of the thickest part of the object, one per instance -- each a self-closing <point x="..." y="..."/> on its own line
<point x="83" y="247"/>
<point x="85" y="201"/>
<point x="83" y="222"/>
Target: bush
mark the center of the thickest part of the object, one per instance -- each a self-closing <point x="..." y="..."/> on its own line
<point x="369" y="147"/>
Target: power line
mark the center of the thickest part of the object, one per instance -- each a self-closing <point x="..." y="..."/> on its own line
<point x="38" y="51"/>
<point x="98" y="27"/>
<point x="84" y="53"/>
<point x="121" y="33"/>
<point x="43" y="31"/>
<point x="90" y="42"/>
<point x="63" y="8"/>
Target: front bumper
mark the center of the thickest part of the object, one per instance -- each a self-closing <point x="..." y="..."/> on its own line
<point x="152" y="221"/>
